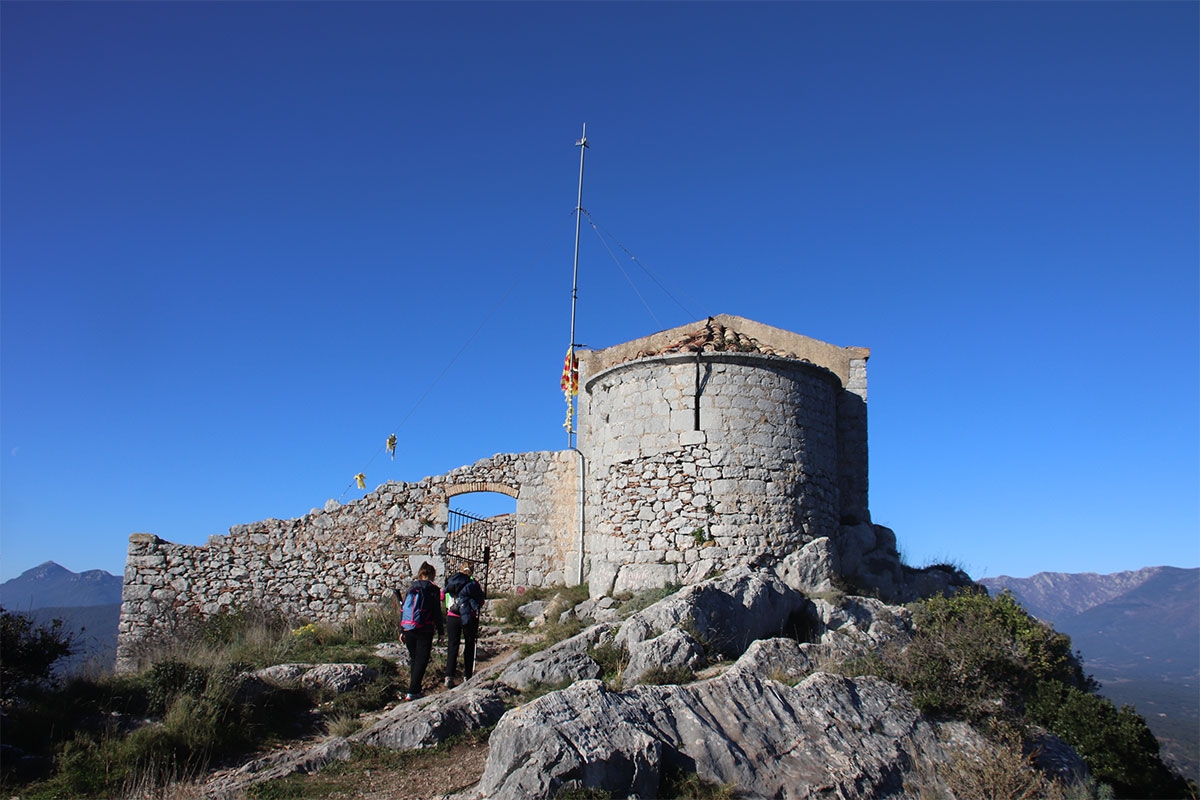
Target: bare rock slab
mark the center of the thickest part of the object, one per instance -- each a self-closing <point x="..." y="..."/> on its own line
<point x="828" y="736"/>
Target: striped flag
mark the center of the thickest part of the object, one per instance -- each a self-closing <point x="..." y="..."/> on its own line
<point x="570" y="373"/>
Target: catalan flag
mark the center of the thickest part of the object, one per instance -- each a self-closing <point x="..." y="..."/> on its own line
<point x="570" y="373"/>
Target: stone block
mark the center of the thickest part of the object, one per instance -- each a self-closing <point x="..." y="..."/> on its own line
<point x="636" y="578"/>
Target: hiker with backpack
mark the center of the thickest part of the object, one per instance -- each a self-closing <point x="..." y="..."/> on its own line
<point x="420" y="618"/>
<point x="464" y="599"/>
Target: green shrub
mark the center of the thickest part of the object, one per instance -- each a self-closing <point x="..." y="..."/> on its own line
<point x="582" y="793"/>
<point x="109" y="765"/>
<point x="203" y="703"/>
<point x="972" y="655"/>
<point x="613" y="659"/>
<point x="375" y="627"/>
<point x="168" y="679"/>
<point x="552" y="633"/>
<point x="28" y="652"/>
<point x="985" y="659"/>
<point x="503" y="608"/>
<point x="680" y="784"/>
<point x="667" y="676"/>
<point x="1116" y="744"/>
<point x="631" y="604"/>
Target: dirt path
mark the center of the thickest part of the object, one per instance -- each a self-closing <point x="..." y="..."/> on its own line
<point x="409" y="776"/>
<point x="414" y="775"/>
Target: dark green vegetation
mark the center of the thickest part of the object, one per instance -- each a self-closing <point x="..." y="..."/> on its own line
<point x="986" y="660"/>
<point x="504" y="611"/>
<point x="195" y="705"/>
<point x="29" y="652"/>
<point x="1138" y="632"/>
<point x="674" y="783"/>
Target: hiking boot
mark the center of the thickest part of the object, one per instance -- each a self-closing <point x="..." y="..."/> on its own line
<point x="449" y="683"/>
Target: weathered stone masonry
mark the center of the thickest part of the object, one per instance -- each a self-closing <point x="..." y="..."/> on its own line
<point x="705" y="452"/>
<point x="698" y="448"/>
<point x="756" y="477"/>
<point x="336" y="562"/>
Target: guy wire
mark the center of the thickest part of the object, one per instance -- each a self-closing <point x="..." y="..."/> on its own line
<point x="485" y="320"/>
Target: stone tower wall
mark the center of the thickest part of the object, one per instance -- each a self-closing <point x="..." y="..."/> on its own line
<point x="672" y="495"/>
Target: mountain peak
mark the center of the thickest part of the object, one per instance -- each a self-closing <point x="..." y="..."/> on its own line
<point x="50" y="585"/>
<point x="1055" y="596"/>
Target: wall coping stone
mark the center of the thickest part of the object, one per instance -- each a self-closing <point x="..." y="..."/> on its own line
<point x="719" y="357"/>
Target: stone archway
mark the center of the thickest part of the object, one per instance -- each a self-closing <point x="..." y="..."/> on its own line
<point x="482" y="543"/>
<point x="480" y="486"/>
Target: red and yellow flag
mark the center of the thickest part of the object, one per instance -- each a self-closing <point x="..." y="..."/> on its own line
<point x="570" y="373"/>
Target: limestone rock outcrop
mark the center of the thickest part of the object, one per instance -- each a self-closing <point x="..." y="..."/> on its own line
<point x="827" y="736"/>
<point x="776" y="722"/>
<point x="562" y="663"/>
<point x="331" y="678"/>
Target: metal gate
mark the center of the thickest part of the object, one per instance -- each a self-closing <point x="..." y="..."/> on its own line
<point x="469" y="539"/>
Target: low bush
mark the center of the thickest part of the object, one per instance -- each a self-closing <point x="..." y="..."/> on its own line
<point x="681" y="784"/>
<point x="667" y="676"/>
<point x="550" y="634"/>
<point x="582" y="793"/>
<point x="987" y="660"/>
<point x="613" y="659"/>
<point x="633" y="603"/>
<point x="1002" y="770"/>
<point x="503" y="608"/>
<point x="29" y="652"/>
<point x="194" y="705"/>
<point x="1116" y="744"/>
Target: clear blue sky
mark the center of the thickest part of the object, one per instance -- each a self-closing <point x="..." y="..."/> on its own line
<point x="242" y="243"/>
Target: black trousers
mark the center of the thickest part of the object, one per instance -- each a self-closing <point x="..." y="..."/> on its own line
<point x="420" y="647"/>
<point x="455" y="629"/>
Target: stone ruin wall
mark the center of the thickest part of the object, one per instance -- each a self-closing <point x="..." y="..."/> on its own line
<point x="780" y="459"/>
<point x="852" y="445"/>
<point x="341" y="561"/>
<point x="669" y="503"/>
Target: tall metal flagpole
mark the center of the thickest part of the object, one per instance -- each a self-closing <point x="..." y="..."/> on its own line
<point x="582" y="144"/>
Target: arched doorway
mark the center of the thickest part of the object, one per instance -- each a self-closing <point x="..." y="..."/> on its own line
<point x="481" y="534"/>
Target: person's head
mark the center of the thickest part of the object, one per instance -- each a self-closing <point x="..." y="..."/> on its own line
<point x="427" y="571"/>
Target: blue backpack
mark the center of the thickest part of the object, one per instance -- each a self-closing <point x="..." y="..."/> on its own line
<point x="414" y="614"/>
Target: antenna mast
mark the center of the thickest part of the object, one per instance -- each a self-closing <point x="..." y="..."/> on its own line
<point x="571" y="371"/>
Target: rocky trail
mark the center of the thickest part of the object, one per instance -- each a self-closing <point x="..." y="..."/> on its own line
<point x="731" y="680"/>
<point x="422" y="774"/>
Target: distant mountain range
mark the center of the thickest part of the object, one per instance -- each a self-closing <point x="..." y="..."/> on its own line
<point x="50" y="585"/>
<point x="1139" y="635"/>
<point x="88" y="603"/>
